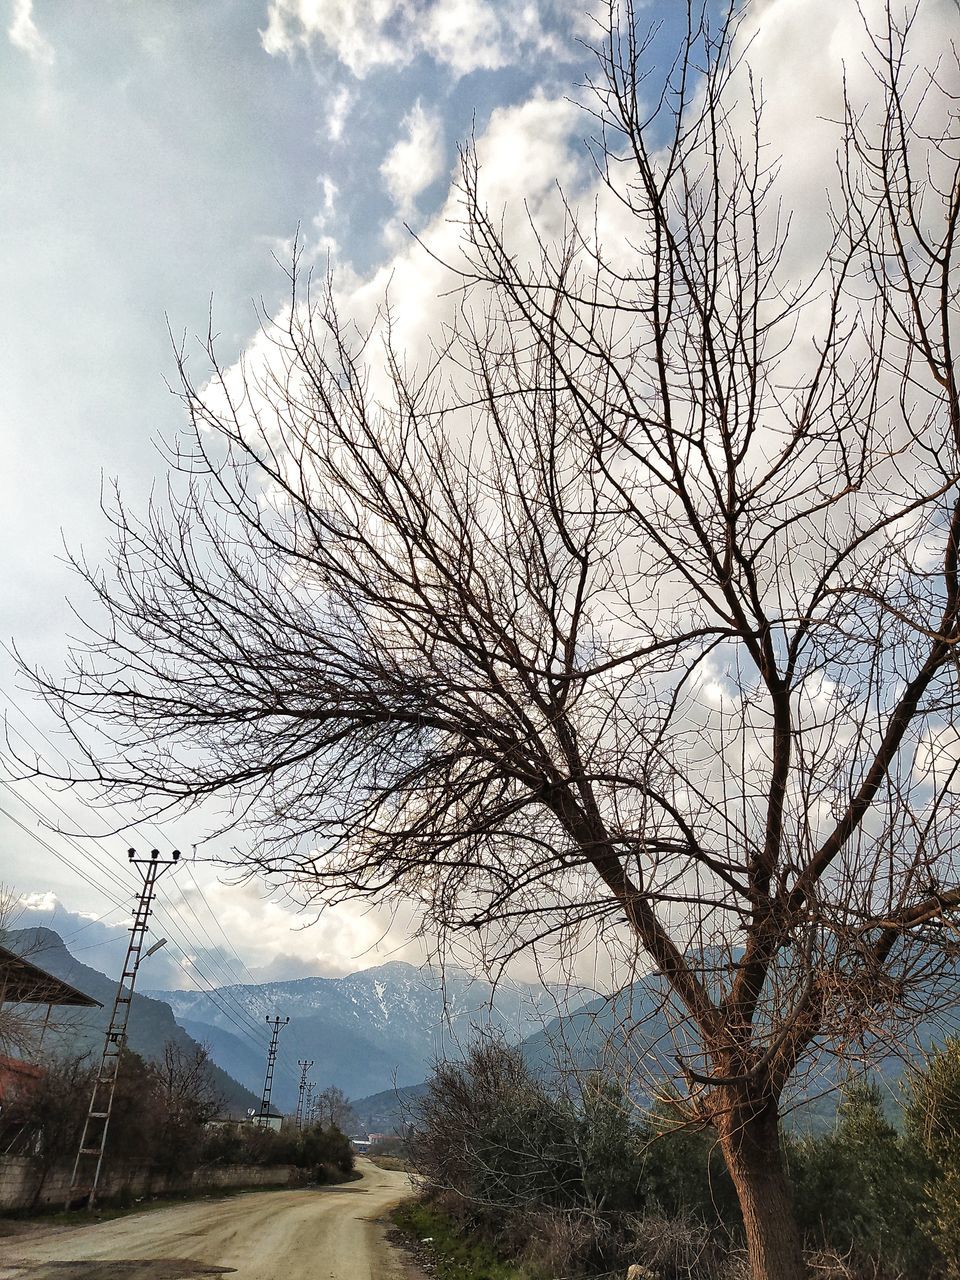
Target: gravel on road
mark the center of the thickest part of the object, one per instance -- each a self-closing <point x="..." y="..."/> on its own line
<point x="326" y="1233"/>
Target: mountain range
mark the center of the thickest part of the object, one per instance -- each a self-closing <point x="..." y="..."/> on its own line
<point x="367" y="1032"/>
<point x="375" y="1034"/>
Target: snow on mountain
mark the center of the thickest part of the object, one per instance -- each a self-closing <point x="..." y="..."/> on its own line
<point x="365" y="1032"/>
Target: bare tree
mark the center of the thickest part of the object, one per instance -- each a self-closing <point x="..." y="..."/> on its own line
<point x="635" y="610"/>
<point x="184" y="1097"/>
<point x="185" y="1086"/>
<point x="333" y="1109"/>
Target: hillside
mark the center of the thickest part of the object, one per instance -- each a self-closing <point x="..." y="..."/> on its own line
<point x="76" y="1031"/>
<point x="629" y="1036"/>
<point x="365" y="1033"/>
<point x="389" y="1110"/>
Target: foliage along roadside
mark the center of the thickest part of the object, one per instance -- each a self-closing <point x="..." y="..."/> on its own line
<point x="453" y="1256"/>
<point x="543" y="1184"/>
<point x="161" y="1121"/>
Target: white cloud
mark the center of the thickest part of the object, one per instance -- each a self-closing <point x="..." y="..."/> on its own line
<point x="271" y="936"/>
<point x="415" y="161"/>
<point x="26" y="36"/>
<point x="38" y="901"/>
<point x="355" y="30"/>
<point x="464" y="35"/>
<point x="523" y="153"/>
<point x="338" y="109"/>
<point x="473" y="35"/>
<point x="325" y="244"/>
<point x="330" y="192"/>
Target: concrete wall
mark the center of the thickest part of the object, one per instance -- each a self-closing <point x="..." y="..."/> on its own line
<point x="20" y="1178"/>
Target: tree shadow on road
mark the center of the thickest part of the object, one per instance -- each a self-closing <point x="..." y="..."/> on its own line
<point x="119" y="1269"/>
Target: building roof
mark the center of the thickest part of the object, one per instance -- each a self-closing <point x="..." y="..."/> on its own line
<point x="17" y="1076"/>
<point x="17" y="1067"/>
<point x="24" y="983"/>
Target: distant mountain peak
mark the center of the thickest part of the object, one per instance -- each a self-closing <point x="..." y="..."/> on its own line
<point x="365" y="1031"/>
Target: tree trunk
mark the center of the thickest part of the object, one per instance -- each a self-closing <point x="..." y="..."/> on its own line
<point x="750" y="1140"/>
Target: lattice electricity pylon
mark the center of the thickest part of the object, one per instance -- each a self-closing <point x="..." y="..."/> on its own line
<point x="93" y="1141"/>
<point x="277" y="1023"/>
<point x="310" y="1108"/>
<point x="304" y="1068"/>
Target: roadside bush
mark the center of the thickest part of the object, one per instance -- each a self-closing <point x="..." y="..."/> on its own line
<point x="681" y="1247"/>
<point x="327" y="1153"/>
<point x="611" y="1161"/>
<point x="223" y="1144"/>
<point x="566" y="1187"/>
<point x="45" y="1120"/>
<point x="933" y="1126"/>
<point x="183" y="1099"/>
<point x="393" y="1147"/>
<point x="249" y="1143"/>
<point x="859" y="1190"/>
<point x="563" y="1187"/>
<point x="323" y="1151"/>
<point x="684" y="1174"/>
<point x="495" y="1136"/>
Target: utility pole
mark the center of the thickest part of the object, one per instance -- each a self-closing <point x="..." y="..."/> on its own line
<point x="304" y="1068"/>
<point x="277" y="1023"/>
<point x="93" y="1141"/>
<point x="310" y="1109"/>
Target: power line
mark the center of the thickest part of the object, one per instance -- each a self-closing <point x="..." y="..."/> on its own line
<point x="237" y="1016"/>
<point x="148" y="826"/>
<point x="60" y="855"/>
<point x="79" y="871"/>
<point x="212" y="994"/>
<point x="104" y="869"/>
<point x="68" y="936"/>
<point x="211" y="949"/>
<point x="285" y="1062"/>
<point x="85" y="852"/>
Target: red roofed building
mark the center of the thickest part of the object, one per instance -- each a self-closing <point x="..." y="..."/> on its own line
<point x="16" y="1076"/>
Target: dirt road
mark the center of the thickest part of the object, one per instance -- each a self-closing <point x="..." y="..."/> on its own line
<point x="333" y="1233"/>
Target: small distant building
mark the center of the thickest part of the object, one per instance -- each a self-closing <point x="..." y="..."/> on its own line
<point x="360" y="1144"/>
<point x="238" y="1121"/>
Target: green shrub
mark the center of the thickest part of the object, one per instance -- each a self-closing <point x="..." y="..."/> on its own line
<point x="933" y="1127"/>
<point x="860" y="1189"/>
<point x="324" y="1149"/>
<point x="684" y="1174"/>
<point x="458" y="1256"/>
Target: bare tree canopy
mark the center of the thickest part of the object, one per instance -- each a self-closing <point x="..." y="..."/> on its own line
<point x="637" y="608"/>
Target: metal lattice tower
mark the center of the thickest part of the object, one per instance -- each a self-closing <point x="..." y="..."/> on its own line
<point x="277" y="1023"/>
<point x="304" y="1068"/>
<point x="310" y="1108"/>
<point x="93" y="1141"/>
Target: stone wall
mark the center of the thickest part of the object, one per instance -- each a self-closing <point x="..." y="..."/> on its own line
<point x="20" y="1179"/>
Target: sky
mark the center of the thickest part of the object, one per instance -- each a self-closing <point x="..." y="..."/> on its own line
<point x="158" y="160"/>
